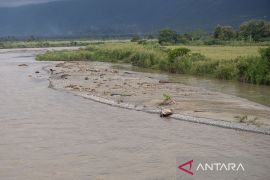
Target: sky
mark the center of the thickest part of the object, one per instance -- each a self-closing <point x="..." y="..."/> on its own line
<point x="14" y="3"/>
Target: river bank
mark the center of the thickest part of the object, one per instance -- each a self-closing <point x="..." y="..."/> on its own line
<point x="51" y="134"/>
<point x="145" y="91"/>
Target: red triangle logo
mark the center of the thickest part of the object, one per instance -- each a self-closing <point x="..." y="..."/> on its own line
<point x="181" y="167"/>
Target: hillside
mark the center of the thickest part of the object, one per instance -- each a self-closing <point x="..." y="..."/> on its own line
<point x="98" y="17"/>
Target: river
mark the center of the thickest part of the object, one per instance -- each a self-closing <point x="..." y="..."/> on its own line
<point x="48" y="134"/>
<point x="256" y="93"/>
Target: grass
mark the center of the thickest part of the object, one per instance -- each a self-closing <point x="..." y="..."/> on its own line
<point x="167" y="97"/>
<point x="223" y="52"/>
<point x="49" y="43"/>
<point x="244" y="64"/>
<point x="139" y="55"/>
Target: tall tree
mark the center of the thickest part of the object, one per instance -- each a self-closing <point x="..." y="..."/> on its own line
<point x="224" y="33"/>
<point x="255" y="30"/>
<point x="167" y="36"/>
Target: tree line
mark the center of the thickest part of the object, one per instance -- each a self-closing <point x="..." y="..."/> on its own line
<point x="251" y="31"/>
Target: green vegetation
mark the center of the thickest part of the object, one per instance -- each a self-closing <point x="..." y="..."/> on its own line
<point x="251" y="69"/>
<point x="249" y="120"/>
<point x="255" y="30"/>
<point x="222" y="52"/>
<point x="167" y="36"/>
<point x="146" y="56"/>
<point x="225" y="33"/>
<point x="40" y="44"/>
<point x="242" y="59"/>
<point x="36" y="43"/>
<point x="249" y="32"/>
<point x="135" y="38"/>
<point x="167" y="97"/>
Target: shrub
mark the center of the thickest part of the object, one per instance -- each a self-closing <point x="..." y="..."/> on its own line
<point x="136" y="38"/>
<point x="226" y="71"/>
<point x="167" y="97"/>
<point x="183" y="64"/>
<point x="197" y="57"/>
<point x="174" y="53"/>
<point x="204" y="67"/>
<point x="252" y="70"/>
<point x="265" y="54"/>
<point x="144" y="42"/>
<point x="163" y="65"/>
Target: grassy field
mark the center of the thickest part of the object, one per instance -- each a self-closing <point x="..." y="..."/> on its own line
<point x="245" y="64"/>
<point x="223" y="52"/>
<point x="50" y="43"/>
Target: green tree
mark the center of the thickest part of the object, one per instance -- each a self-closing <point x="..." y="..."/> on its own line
<point x="167" y="36"/>
<point x="136" y="38"/>
<point x="150" y="36"/>
<point x="255" y="30"/>
<point x="224" y="33"/>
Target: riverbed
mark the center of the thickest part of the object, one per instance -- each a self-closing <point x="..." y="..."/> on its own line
<point x="50" y="134"/>
<point x="147" y="91"/>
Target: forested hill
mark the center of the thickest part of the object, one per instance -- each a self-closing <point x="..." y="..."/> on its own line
<point x="96" y="17"/>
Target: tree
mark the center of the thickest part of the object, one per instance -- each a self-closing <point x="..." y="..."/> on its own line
<point x="224" y="33"/>
<point x="135" y="38"/>
<point x="255" y="30"/>
<point x="150" y="36"/>
<point x="167" y="36"/>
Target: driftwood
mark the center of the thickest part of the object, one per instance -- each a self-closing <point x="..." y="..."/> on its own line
<point x="118" y="94"/>
<point x="23" y="65"/>
<point x="165" y="82"/>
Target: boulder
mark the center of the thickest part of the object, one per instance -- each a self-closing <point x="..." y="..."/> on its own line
<point x="166" y="112"/>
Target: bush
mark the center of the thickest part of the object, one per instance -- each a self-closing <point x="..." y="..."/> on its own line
<point x="179" y="52"/>
<point x="197" y="57"/>
<point x="142" y="59"/>
<point x="213" y="42"/>
<point x="164" y="65"/>
<point x="181" y="62"/>
<point x="143" y="41"/>
<point x="135" y="38"/>
<point x="226" y="71"/>
<point x="204" y="67"/>
<point x="252" y="70"/>
<point x="183" y="65"/>
<point x="265" y="54"/>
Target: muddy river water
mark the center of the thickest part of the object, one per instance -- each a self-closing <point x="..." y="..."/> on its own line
<point x="255" y="93"/>
<point x="48" y="134"/>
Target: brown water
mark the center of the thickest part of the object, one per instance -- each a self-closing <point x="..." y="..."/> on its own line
<point x="47" y="134"/>
<point x="255" y="93"/>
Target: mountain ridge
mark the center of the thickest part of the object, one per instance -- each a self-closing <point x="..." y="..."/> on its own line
<point x="84" y="17"/>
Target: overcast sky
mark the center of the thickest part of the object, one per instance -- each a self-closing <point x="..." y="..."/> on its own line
<point x="14" y="3"/>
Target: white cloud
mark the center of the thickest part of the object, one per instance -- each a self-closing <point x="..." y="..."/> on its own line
<point x="14" y="3"/>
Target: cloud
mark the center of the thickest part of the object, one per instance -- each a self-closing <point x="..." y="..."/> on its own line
<point x="15" y="3"/>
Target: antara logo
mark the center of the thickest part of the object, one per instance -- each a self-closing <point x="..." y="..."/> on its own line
<point x="181" y="167"/>
<point x="216" y="166"/>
